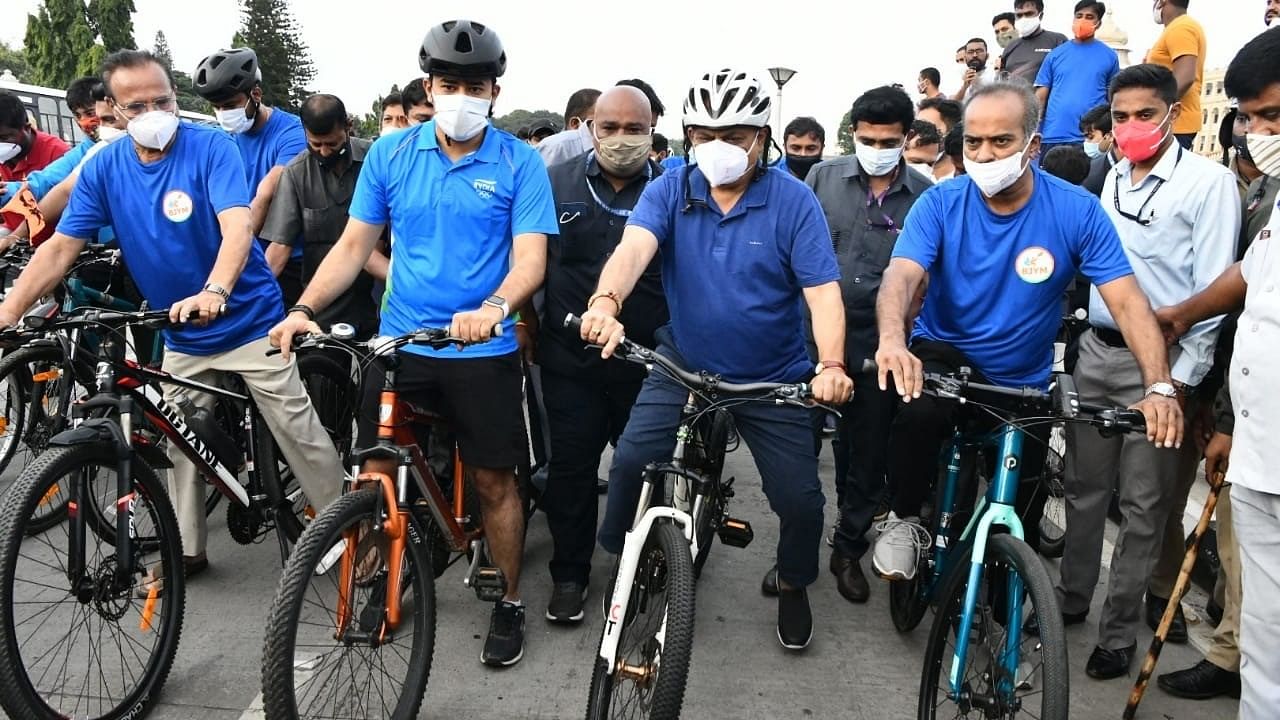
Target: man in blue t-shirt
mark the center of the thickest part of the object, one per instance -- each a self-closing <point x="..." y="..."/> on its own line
<point x="176" y="197"/>
<point x="1074" y="78"/>
<point x="470" y="207"/>
<point x="744" y="249"/>
<point x="999" y="248"/>
<point x="268" y="139"/>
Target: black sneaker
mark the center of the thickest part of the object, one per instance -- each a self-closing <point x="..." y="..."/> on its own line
<point x="505" y="645"/>
<point x="567" y="601"/>
<point x="795" y="621"/>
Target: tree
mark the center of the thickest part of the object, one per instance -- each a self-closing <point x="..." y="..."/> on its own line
<point x="112" y="22"/>
<point x="370" y="126"/>
<point x="844" y="136"/>
<point x="161" y="49"/>
<point x="187" y="98"/>
<point x="60" y="43"/>
<point x="14" y="60"/>
<point x="268" y="27"/>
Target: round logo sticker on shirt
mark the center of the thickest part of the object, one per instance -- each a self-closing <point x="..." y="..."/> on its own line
<point x="177" y="206"/>
<point x="1034" y="265"/>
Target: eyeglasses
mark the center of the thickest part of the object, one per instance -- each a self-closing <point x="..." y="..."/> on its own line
<point x="134" y="109"/>
<point x="1138" y="218"/>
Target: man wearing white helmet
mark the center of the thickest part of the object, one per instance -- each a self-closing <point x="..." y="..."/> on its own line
<point x="743" y="246"/>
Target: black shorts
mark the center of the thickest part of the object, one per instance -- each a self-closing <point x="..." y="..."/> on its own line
<point x="481" y="399"/>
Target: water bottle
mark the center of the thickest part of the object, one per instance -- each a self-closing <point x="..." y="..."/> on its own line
<point x="206" y="427"/>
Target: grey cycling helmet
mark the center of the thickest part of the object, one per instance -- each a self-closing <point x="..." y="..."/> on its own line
<point x="226" y="73"/>
<point x="462" y="48"/>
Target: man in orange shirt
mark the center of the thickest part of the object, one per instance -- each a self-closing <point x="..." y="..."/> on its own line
<point x="1181" y="48"/>
<point x="23" y="149"/>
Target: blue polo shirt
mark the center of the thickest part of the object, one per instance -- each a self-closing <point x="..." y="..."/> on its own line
<point x="165" y="214"/>
<point x="996" y="282"/>
<point x="1077" y="75"/>
<point x="453" y="225"/>
<point x="735" y="282"/>
<point x="279" y="141"/>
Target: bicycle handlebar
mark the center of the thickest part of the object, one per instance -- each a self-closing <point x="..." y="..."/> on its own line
<point x="44" y="317"/>
<point x="341" y="335"/>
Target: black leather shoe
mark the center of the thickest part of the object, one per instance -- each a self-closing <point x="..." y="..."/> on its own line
<point x="1107" y="664"/>
<point x="1032" y="625"/>
<point x="1177" y="629"/>
<point x="1201" y="681"/>
<point x="769" y="586"/>
<point x="850" y="581"/>
<point x="1214" y="611"/>
<point x="795" y="622"/>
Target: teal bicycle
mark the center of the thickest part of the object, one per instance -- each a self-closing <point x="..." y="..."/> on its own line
<point x="978" y="663"/>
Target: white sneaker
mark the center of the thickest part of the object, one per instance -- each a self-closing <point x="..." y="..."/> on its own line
<point x="897" y="551"/>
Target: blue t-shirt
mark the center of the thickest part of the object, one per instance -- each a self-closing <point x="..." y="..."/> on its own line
<point x="674" y="162"/>
<point x="44" y="180"/>
<point x="734" y="283"/>
<point x="996" y="282"/>
<point x="165" y="214"/>
<point x="453" y="225"/>
<point x="1077" y="75"/>
<point x="278" y="142"/>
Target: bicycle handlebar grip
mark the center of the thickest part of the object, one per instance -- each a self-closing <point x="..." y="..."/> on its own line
<point x="869" y="366"/>
<point x="573" y="322"/>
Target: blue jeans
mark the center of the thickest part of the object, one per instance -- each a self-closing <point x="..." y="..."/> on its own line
<point x="781" y="441"/>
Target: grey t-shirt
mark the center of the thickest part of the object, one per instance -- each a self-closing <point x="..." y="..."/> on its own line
<point x="1024" y="56"/>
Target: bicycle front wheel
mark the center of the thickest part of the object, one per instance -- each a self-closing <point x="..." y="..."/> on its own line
<point x="86" y="645"/>
<point x="372" y="670"/>
<point x="991" y="683"/>
<point x="652" y="662"/>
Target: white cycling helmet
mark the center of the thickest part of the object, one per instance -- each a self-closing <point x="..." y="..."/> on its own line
<point x="727" y="98"/>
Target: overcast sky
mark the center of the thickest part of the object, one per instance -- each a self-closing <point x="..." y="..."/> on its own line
<point x="838" y="48"/>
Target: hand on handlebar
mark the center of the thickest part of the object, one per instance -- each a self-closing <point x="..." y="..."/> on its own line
<point x="907" y="370"/>
<point x="475" y="326"/>
<point x="1164" y="420"/>
<point x="293" y="325"/>
<point x="832" y="387"/>
<point x="601" y="328"/>
<point x="198" y="309"/>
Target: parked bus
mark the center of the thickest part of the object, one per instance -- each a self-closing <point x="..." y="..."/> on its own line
<point x="48" y="107"/>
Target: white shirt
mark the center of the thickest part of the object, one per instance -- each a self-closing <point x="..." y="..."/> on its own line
<point x="1194" y="217"/>
<point x="1255" y="373"/>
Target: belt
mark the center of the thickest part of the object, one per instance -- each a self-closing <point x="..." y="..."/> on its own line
<point x="1109" y="337"/>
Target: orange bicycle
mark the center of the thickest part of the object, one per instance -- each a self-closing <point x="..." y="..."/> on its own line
<point x="351" y="632"/>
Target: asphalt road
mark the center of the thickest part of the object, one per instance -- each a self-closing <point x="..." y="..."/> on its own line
<point x="858" y="666"/>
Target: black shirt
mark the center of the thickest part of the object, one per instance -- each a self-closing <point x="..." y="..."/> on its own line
<point x="588" y="235"/>
<point x="311" y="203"/>
<point x="1024" y="56"/>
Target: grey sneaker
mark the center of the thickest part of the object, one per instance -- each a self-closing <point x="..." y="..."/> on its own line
<point x="897" y="551"/>
<point x="567" y="601"/>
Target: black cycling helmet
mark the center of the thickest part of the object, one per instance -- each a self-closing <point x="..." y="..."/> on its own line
<point x="462" y="48"/>
<point x="226" y="73"/>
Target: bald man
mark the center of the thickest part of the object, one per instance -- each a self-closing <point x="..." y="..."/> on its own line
<point x="587" y="399"/>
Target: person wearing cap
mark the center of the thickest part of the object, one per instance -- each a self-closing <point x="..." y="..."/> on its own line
<point x="454" y="182"/>
<point x="541" y="130"/>
<point x="268" y="138"/>
<point x="762" y="234"/>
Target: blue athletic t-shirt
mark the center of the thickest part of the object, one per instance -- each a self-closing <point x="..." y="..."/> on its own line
<point x="996" y="282"/>
<point x="735" y="283"/>
<point x="165" y="215"/>
<point x="453" y="225"/>
<point x="1077" y="75"/>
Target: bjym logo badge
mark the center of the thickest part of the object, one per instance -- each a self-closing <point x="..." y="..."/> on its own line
<point x="485" y="188"/>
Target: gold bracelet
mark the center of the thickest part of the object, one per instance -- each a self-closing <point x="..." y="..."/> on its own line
<point x="605" y="294"/>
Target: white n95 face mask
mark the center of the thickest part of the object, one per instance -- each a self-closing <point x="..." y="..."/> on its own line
<point x="461" y="117"/>
<point x="996" y="176"/>
<point x="153" y="129"/>
<point x="721" y="163"/>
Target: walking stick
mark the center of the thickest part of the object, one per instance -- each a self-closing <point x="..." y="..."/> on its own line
<point x="1179" y="589"/>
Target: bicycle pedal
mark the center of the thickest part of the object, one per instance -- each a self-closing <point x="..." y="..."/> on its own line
<point x="489" y="583"/>
<point x="736" y="533"/>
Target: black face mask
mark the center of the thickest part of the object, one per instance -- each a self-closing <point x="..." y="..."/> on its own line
<point x="332" y="161"/>
<point x="1241" y="146"/>
<point x="800" y="165"/>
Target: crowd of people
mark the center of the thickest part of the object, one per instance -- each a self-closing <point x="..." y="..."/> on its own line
<point x="955" y="235"/>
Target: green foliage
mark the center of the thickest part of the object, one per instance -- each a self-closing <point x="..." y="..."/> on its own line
<point x="187" y="99"/>
<point x="844" y="135"/>
<point x="268" y="27"/>
<point x="66" y="40"/>
<point x="370" y="124"/>
<point x="161" y="49"/>
<point x="15" y="61"/>
<point x="112" y="21"/>
<point x="514" y="120"/>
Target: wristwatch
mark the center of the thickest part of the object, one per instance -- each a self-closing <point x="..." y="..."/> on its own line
<point x="500" y="303"/>
<point x="1164" y="389"/>
<point x="217" y="289"/>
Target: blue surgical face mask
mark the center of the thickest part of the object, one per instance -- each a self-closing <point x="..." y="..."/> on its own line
<point x="1092" y="149"/>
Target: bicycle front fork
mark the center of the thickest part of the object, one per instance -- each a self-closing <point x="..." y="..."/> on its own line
<point x="997" y="514"/>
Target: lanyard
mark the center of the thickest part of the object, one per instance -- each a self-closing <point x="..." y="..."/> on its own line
<point x="617" y="212"/>
<point x="1152" y="217"/>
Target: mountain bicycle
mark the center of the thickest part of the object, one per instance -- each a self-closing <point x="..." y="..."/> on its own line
<point x="642" y="662"/>
<point x="351" y="631"/>
<point x="85" y="631"/>
<point x="975" y="660"/>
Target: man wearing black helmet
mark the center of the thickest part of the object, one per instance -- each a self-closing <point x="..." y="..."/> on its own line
<point x="268" y="139"/>
<point x="470" y="207"/>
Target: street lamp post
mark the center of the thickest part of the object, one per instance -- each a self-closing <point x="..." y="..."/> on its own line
<point x="780" y="77"/>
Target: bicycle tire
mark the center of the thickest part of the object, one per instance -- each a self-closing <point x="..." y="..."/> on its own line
<point x="713" y="440"/>
<point x="18" y="692"/>
<point x="1054" y="679"/>
<point x="1053" y="523"/>
<point x="674" y="576"/>
<point x="285" y="618"/>
<point x="333" y="395"/>
<point x="32" y="417"/>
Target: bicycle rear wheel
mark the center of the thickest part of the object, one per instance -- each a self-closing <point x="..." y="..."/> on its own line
<point x="96" y="649"/>
<point x="1039" y="687"/>
<point x="652" y="662"/>
<point x="1053" y="524"/>
<point x="306" y="671"/>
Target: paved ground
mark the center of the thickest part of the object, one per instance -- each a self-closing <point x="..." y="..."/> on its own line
<point x="857" y="667"/>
